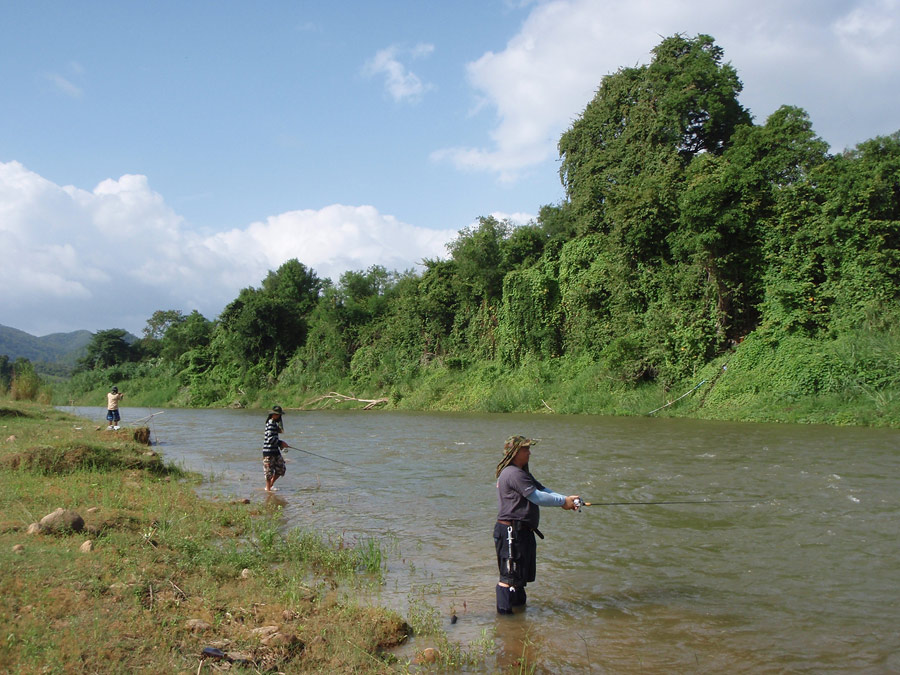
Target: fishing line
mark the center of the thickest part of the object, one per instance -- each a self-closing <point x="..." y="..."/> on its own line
<point x="675" y="401"/>
<point x="580" y="503"/>
<point x="337" y="461"/>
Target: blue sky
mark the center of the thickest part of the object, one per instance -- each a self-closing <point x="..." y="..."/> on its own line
<point x="164" y="155"/>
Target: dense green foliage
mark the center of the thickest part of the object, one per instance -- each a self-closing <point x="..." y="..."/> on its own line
<point x="689" y="238"/>
<point x="107" y="348"/>
<point x="6" y="373"/>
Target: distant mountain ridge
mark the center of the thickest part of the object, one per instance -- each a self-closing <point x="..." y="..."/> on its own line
<point x="64" y="348"/>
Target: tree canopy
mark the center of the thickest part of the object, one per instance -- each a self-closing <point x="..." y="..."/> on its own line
<point x="107" y="348"/>
<point x="685" y="229"/>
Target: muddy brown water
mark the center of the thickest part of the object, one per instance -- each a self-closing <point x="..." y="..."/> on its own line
<point x="805" y="577"/>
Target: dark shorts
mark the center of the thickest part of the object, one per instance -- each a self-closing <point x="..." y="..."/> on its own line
<point x="274" y="466"/>
<point x="522" y="565"/>
<point x="113" y="415"/>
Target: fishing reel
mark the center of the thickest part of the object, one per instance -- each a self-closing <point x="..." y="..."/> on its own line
<point x="578" y="503"/>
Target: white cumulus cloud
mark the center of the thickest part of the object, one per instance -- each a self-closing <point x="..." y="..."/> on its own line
<point x="111" y="256"/>
<point x="831" y="58"/>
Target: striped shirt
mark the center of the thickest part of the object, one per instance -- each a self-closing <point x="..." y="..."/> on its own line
<point x="271" y="444"/>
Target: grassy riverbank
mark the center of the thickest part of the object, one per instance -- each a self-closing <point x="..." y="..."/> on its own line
<point x="166" y="573"/>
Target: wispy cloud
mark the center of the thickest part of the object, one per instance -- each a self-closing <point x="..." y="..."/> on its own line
<point x="869" y="32"/>
<point x="309" y="27"/>
<point x="400" y="82"/>
<point x="63" y="85"/>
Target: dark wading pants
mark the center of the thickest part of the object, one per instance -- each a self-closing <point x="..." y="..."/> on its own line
<point x="517" y="567"/>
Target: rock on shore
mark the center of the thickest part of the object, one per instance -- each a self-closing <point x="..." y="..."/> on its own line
<point x="62" y="520"/>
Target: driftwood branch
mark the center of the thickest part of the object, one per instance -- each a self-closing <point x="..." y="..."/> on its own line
<point x="343" y="398"/>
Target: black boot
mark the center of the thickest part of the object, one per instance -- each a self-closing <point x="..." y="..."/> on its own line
<point x="504" y="599"/>
<point x="518" y="597"/>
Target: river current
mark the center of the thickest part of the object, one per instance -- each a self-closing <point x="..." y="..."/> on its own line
<point x="789" y="563"/>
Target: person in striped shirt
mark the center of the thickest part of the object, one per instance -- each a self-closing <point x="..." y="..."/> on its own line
<point x="273" y="462"/>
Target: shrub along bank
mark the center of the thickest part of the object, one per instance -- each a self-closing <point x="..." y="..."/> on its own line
<point x="853" y="379"/>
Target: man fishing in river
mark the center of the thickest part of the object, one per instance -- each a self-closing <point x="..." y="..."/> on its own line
<point x="520" y="497"/>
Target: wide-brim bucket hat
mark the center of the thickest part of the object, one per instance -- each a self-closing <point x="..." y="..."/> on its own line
<point x="511" y="449"/>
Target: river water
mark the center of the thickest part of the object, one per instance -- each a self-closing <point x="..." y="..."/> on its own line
<point x="802" y="578"/>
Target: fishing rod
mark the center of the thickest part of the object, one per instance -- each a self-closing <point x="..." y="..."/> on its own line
<point x="337" y="461"/>
<point x="149" y="417"/>
<point x="580" y="502"/>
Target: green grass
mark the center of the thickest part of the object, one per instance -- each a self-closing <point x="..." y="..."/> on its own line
<point x="162" y="556"/>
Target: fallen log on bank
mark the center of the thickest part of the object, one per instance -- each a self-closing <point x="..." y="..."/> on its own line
<point x="336" y="397"/>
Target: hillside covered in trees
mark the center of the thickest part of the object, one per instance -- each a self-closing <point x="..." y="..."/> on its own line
<point x="694" y="245"/>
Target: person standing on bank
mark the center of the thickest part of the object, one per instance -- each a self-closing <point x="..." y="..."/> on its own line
<point x="273" y="462"/>
<point x="112" y="408"/>
<point x="520" y="497"/>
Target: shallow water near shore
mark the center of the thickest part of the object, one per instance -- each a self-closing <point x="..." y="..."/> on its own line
<point x="803" y="577"/>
